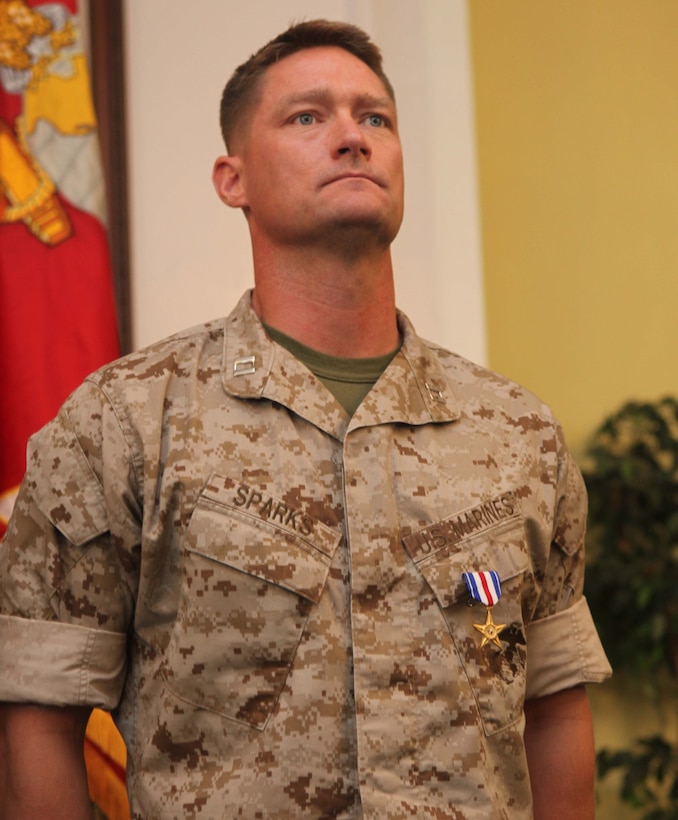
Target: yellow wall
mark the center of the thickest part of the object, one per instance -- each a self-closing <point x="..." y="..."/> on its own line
<point x="577" y="127"/>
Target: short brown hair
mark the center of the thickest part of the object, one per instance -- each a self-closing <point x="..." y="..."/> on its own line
<point x="241" y="90"/>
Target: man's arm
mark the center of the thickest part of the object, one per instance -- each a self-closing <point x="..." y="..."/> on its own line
<point x="42" y="764"/>
<point x="560" y="755"/>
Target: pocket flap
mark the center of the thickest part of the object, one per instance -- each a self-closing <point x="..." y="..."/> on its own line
<point x="262" y="536"/>
<point x="501" y="548"/>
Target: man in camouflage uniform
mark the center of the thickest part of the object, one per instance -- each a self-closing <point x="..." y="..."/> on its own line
<point x="249" y="541"/>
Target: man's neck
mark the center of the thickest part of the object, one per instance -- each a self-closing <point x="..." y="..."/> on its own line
<point x="334" y="307"/>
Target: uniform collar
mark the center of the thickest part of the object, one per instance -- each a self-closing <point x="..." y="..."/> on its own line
<point x="413" y="390"/>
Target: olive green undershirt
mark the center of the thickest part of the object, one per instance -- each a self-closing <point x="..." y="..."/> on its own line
<point x="349" y="380"/>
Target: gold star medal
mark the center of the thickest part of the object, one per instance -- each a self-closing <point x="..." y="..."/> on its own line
<point x="485" y="587"/>
<point x="489" y="630"/>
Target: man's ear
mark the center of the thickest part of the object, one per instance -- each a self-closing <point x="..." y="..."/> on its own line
<point x="227" y="181"/>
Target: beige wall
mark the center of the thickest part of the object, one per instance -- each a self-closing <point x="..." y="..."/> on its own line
<point x="577" y="125"/>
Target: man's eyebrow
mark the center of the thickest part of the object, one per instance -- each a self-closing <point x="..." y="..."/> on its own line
<point x="323" y="95"/>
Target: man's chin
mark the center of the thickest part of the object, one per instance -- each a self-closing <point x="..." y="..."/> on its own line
<point x="360" y="233"/>
<point x="373" y="220"/>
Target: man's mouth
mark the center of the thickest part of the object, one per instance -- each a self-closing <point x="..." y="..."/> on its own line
<point x="348" y="175"/>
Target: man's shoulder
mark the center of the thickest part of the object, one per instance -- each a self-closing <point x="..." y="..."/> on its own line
<point x="479" y="385"/>
<point x="179" y="354"/>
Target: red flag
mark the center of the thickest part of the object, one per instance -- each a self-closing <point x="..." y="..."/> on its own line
<point x="57" y="312"/>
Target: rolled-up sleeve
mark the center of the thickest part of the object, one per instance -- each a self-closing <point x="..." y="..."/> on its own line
<point x="60" y="664"/>
<point x="564" y="651"/>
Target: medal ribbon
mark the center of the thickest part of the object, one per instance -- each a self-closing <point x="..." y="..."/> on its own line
<point x="484" y="587"/>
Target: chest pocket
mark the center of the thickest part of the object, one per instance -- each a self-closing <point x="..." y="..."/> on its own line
<point x="250" y="576"/>
<point x="496" y="674"/>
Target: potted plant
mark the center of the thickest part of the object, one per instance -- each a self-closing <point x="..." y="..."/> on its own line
<point x="631" y="472"/>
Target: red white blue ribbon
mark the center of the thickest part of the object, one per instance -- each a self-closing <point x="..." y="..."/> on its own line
<point x="484" y="587"/>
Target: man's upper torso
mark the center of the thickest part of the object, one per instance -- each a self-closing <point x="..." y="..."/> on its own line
<point x="273" y="591"/>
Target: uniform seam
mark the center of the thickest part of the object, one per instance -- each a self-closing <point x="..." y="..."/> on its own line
<point x="85" y="667"/>
<point x="136" y="463"/>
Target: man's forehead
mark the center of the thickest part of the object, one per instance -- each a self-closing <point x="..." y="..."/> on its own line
<point x="317" y="67"/>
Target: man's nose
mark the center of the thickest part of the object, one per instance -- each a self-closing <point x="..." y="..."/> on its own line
<point x="352" y="139"/>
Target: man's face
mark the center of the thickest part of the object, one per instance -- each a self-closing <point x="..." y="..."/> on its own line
<point x="320" y="156"/>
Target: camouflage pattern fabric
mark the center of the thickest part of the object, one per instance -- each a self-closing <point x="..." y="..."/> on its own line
<point x="268" y="593"/>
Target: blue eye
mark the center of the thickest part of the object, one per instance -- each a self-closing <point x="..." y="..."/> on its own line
<point x="376" y="120"/>
<point x="305" y="119"/>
